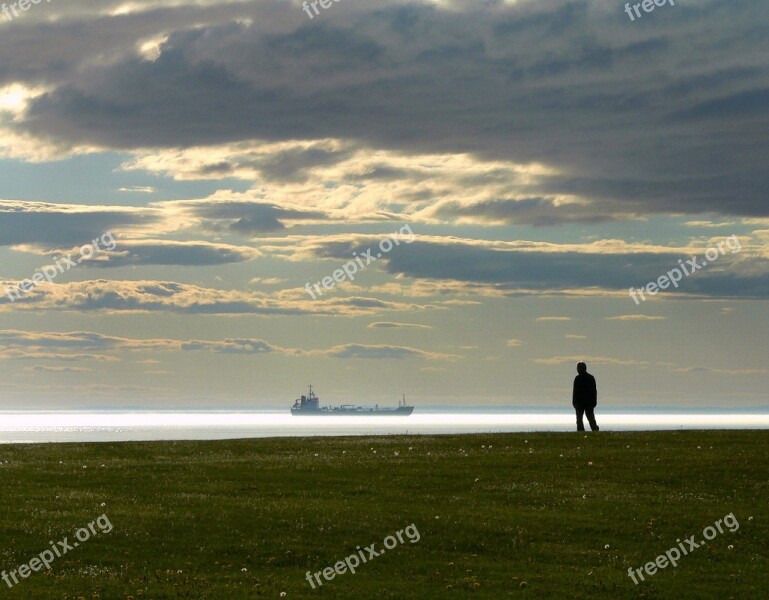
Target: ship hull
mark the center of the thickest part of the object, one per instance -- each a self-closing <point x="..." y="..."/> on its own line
<point x="401" y="411"/>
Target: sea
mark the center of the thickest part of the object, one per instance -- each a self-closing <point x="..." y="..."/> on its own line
<point x="31" y="427"/>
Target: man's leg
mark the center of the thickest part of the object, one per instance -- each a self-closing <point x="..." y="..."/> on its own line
<point x="589" y="411"/>
<point x="580" y="424"/>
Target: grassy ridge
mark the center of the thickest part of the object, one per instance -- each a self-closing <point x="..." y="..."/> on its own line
<point x="500" y="516"/>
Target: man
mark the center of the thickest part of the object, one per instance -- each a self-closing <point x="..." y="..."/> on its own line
<point x="584" y="398"/>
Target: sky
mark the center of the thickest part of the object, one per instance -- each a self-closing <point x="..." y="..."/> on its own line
<point x="194" y="176"/>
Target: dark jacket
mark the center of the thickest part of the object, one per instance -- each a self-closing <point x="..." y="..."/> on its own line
<point x="585" y="394"/>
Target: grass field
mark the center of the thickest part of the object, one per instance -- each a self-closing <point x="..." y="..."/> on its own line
<point x="499" y="516"/>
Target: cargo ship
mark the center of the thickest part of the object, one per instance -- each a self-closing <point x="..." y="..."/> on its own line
<point x="309" y="406"/>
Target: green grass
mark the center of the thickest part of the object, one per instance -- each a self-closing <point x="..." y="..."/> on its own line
<point x="528" y="516"/>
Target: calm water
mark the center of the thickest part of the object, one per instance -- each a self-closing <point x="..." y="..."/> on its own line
<point x="101" y="426"/>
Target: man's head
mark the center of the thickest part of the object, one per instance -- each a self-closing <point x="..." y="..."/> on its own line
<point x="581" y="368"/>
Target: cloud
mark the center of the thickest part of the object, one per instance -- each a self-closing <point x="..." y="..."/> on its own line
<point x="266" y="281"/>
<point x="241" y="217"/>
<point x="553" y="319"/>
<point x="733" y="372"/>
<point x="138" y="189"/>
<point x="514" y="343"/>
<point x="44" y="369"/>
<point x="523" y="82"/>
<point x="59" y="345"/>
<point x="164" y="252"/>
<point x="629" y="362"/>
<point x="601" y="360"/>
<point x="292" y="162"/>
<point x="382" y="352"/>
<point x="531" y="211"/>
<point x="113" y="297"/>
<point x="394" y="325"/>
<point x="37" y="355"/>
<point x="65" y="225"/>
<point x="528" y="267"/>
<point x="636" y="318"/>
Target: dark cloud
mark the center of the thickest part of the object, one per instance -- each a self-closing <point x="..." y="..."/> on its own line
<point x="546" y="269"/>
<point x="532" y="211"/>
<point x="172" y="253"/>
<point x="246" y="218"/>
<point x="528" y="270"/>
<point x="394" y="325"/>
<point x="662" y="116"/>
<point x="52" y="225"/>
<point x="293" y="164"/>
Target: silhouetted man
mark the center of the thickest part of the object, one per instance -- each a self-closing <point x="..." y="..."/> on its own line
<point x="584" y="398"/>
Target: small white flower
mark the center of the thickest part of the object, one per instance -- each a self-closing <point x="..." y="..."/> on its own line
<point x="283" y="594"/>
<point x="316" y="454"/>
<point x="589" y="464"/>
<point x="410" y="448"/>
<point x="85" y="467"/>
<point x="750" y="518"/>
<point x="606" y="547"/>
<point x="244" y="570"/>
<point x="104" y="504"/>
<point x="374" y="451"/>
<point x="437" y="517"/>
<point x="731" y="547"/>
<point x="477" y="479"/>
<point x="490" y="446"/>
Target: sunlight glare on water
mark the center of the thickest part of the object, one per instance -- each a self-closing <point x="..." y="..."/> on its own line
<point x="68" y="426"/>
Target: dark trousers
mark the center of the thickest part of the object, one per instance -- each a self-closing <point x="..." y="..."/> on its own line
<point x="588" y="411"/>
